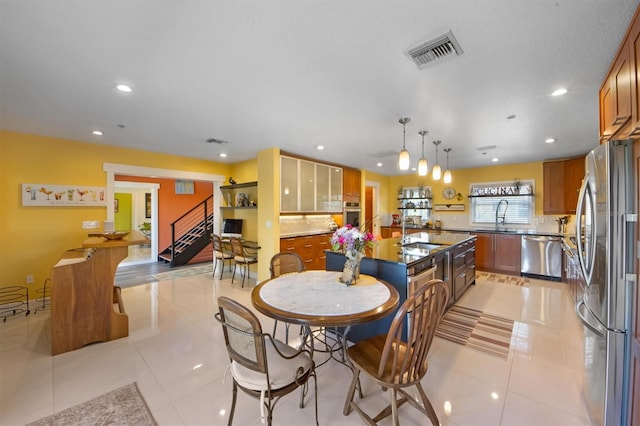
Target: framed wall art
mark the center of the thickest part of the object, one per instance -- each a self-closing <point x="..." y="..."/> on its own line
<point x="35" y="194"/>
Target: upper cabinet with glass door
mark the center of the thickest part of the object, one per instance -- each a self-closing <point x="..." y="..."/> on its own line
<point x="306" y="186"/>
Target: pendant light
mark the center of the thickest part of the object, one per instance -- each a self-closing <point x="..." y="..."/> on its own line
<point x="423" y="165"/>
<point x="447" y="172"/>
<point x="437" y="171"/>
<point x="403" y="159"/>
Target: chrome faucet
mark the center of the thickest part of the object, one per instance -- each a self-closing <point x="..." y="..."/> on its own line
<point x="504" y="213"/>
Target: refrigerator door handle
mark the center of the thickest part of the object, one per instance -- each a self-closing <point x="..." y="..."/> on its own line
<point x="584" y="319"/>
<point x="586" y="265"/>
<point x="589" y="325"/>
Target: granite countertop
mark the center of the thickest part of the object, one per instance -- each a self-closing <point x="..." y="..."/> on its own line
<point x="428" y="244"/>
<point x="492" y="230"/>
<point x="305" y="233"/>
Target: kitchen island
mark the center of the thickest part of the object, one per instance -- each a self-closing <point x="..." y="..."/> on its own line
<point x="397" y="261"/>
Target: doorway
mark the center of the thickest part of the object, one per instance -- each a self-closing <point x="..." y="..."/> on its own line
<point x="138" y="213"/>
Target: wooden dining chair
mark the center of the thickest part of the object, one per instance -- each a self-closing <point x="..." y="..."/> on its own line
<point x="241" y="256"/>
<point x="396" y="364"/>
<point x="221" y="254"/>
<point x="261" y="366"/>
<point x="285" y="263"/>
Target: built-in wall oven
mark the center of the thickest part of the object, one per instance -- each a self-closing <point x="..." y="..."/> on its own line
<point x="351" y="214"/>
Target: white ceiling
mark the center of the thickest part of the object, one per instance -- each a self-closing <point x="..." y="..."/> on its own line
<point x="297" y="73"/>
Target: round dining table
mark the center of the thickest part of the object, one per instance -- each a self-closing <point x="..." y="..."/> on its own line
<point x="319" y="299"/>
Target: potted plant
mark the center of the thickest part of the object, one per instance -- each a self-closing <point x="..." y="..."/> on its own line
<point x="516" y="185"/>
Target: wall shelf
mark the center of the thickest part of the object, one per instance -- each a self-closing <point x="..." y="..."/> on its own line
<point x="240" y="185"/>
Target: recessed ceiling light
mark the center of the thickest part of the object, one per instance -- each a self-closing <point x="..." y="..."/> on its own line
<point x="223" y="155"/>
<point x="379" y="164"/>
<point x="495" y="159"/>
<point x="559" y="92"/>
<point x="124" y="88"/>
<point x="549" y="140"/>
<point x="320" y="147"/>
<point x="97" y="132"/>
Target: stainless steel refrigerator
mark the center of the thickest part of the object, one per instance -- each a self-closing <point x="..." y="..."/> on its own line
<point x="605" y="222"/>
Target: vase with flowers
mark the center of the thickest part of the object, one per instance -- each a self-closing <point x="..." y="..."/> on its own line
<point x="352" y="242"/>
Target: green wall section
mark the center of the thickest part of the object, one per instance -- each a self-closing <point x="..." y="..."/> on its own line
<point x="122" y="218"/>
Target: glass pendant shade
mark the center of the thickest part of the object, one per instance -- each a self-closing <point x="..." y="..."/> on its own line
<point x="437" y="172"/>
<point x="404" y="160"/>
<point x="447" y="172"/>
<point x="423" y="167"/>
<point x="447" y="176"/>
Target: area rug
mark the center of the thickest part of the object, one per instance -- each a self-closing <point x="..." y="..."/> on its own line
<point x="477" y="330"/>
<point x="123" y="407"/>
<point x="503" y="279"/>
<point x="184" y="272"/>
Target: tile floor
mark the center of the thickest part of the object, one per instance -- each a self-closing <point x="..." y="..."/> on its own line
<point x="175" y="352"/>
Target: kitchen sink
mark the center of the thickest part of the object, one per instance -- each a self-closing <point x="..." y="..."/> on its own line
<point x="422" y="246"/>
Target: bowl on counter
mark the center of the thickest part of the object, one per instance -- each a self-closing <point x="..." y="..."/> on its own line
<point x="116" y="235"/>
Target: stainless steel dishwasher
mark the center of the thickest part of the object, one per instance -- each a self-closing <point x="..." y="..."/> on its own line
<point x="542" y="257"/>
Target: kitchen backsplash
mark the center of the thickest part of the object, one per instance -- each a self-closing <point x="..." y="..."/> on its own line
<point x="306" y="224"/>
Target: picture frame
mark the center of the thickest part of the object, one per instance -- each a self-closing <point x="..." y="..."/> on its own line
<point x="147" y="205"/>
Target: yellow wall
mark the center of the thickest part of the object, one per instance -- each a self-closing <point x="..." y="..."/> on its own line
<point x="461" y="178"/>
<point x="34" y="238"/>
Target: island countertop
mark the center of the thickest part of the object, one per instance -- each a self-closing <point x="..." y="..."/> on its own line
<point x="407" y="252"/>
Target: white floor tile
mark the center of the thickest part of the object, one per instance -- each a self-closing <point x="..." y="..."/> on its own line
<point x="175" y="352"/>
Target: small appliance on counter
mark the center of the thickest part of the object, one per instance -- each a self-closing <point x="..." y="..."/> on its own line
<point x="562" y="224"/>
<point x="396" y="219"/>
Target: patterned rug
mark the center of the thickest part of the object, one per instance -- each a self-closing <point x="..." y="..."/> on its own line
<point x="477" y="330"/>
<point x="184" y="272"/>
<point x="122" y="407"/>
<point x="504" y="279"/>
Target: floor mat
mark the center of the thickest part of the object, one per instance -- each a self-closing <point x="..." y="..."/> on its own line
<point x="504" y="279"/>
<point x="477" y="330"/>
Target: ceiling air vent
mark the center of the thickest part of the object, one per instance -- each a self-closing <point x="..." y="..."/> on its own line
<point x="435" y="50"/>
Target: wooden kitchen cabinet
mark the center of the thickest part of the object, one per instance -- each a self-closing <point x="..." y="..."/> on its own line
<point x="387" y="231"/>
<point x="309" y="247"/>
<point x="619" y="95"/>
<point x="498" y="253"/>
<point x="634" y="50"/>
<point x="562" y="181"/>
<point x="351" y="184"/>
<point x="615" y="95"/>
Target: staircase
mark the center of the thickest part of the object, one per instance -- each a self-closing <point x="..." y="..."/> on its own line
<point x="190" y="233"/>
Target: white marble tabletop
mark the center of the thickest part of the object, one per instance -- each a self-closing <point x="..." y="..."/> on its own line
<point x="319" y="298"/>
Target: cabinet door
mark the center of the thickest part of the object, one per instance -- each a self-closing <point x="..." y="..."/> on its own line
<point x="634" y="46"/>
<point x="615" y="95"/>
<point x="351" y="184"/>
<point x="323" y="182"/>
<point x="507" y="252"/>
<point x="307" y="186"/>
<point x="321" y="243"/>
<point x="553" y="196"/>
<point x="336" y="189"/>
<point x="484" y="251"/>
<point x="288" y="184"/>
<point x="573" y="175"/>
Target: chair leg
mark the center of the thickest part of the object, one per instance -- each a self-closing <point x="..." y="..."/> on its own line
<point x="233" y="402"/>
<point x="215" y="265"/>
<point x="427" y="405"/>
<point x="234" y="272"/>
<point x="351" y="392"/>
<point x="243" y="275"/>
<point x="394" y="406"/>
<point x="221" y="268"/>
